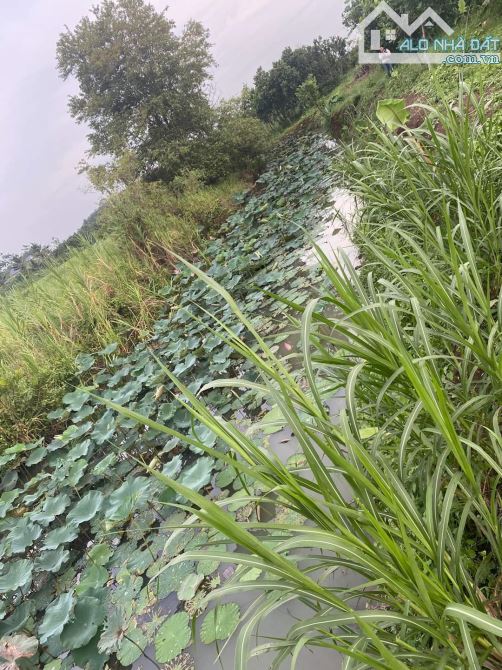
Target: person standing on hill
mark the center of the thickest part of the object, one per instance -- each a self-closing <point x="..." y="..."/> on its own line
<point x="385" y="56"/>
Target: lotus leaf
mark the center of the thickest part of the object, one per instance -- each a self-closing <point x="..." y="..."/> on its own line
<point x="17" y="575"/>
<point x="189" y="586"/>
<point x="86" y="508"/>
<point x="23" y="535"/>
<point x="60" y="535"/>
<point x="51" y="561"/>
<point x="172" y="638"/>
<point x="131" y="647"/>
<point x="197" y="475"/>
<point x="93" y="577"/>
<point x="76" y="399"/>
<point x="56" y="616"/>
<point x="88" y="615"/>
<point x="51" y="508"/>
<point x="131" y="495"/>
<point x="220" y="623"/>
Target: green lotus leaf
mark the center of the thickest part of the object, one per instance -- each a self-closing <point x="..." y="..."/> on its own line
<point x="9" y="480"/>
<point x="131" y="647"/>
<point x="36" y="456"/>
<point x="84" y="362"/>
<point x="51" y="508"/>
<point x="109" y="349"/>
<point x="105" y="464"/>
<point x="56" y="616"/>
<point x="93" y="577"/>
<point x="88" y="615"/>
<point x="18" y="619"/>
<point x="59" y="536"/>
<point x="220" y="623"/>
<point x="113" y="631"/>
<point x="76" y="399"/>
<point x="197" y="475"/>
<point x="100" y="554"/>
<point x="51" y="561"/>
<point x="225" y="477"/>
<point x="23" y="535"/>
<point x="172" y="638"/>
<point x="17" y="575"/>
<point x="189" y="586"/>
<point x="86" y="508"/>
<point x="79" y="450"/>
<point x="104" y="429"/>
<point x="76" y="472"/>
<point x="132" y="495"/>
<point x="170" y="579"/>
<point x="173" y="468"/>
<point x="6" y="501"/>
<point x="88" y="656"/>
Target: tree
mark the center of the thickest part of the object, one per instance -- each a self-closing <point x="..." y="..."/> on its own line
<point x="142" y="88"/>
<point x="308" y="93"/>
<point x="275" y="90"/>
<point x="355" y="10"/>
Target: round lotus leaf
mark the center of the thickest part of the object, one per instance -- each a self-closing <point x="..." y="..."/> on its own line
<point x="172" y="638"/>
<point x="56" y="617"/>
<point x="59" y="536"/>
<point x="220" y="623"/>
<point x="189" y="586"/>
<point x="76" y="399"/>
<point x="23" y="535"/>
<point x="100" y="554"/>
<point x="51" y="508"/>
<point x="198" y="474"/>
<point x="173" y="468"/>
<point x="131" y="646"/>
<point x="17" y="575"/>
<point x="104" y="465"/>
<point x="127" y="498"/>
<point x="51" y="561"/>
<point x="86" y="508"/>
<point x="170" y="579"/>
<point x="93" y="577"/>
<point x="88" y="615"/>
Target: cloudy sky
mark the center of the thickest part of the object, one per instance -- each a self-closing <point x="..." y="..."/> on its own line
<point x="41" y="194"/>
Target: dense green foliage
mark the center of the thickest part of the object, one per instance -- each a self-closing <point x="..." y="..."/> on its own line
<point x="89" y="540"/>
<point x="356" y="10"/>
<point x="404" y="489"/>
<point x="141" y="85"/>
<point x="274" y="96"/>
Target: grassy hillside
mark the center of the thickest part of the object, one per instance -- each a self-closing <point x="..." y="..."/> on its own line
<point x="105" y="292"/>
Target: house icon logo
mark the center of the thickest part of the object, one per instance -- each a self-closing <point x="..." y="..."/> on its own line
<point x="371" y="40"/>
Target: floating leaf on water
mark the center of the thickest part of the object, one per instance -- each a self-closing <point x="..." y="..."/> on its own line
<point x="86" y="508"/>
<point x="104" y="465"/>
<point x="56" y="616"/>
<point x="173" y="467"/>
<point x="17" y="575"/>
<point x="131" y="646"/>
<point x="189" y="586"/>
<point x="172" y="638"/>
<point x="88" y="615"/>
<point x="197" y="475"/>
<point x="59" y="536"/>
<point x="100" y="554"/>
<point x="51" y="561"/>
<point x="220" y="623"/>
<point x="93" y="577"/>
<point x="88" y="656"/>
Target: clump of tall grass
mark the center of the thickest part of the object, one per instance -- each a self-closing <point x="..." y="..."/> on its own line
<point x="107" y="291"/>
<point x="415" y="342"/>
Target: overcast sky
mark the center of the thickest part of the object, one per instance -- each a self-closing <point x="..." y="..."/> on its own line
<point x="41" y="194"/>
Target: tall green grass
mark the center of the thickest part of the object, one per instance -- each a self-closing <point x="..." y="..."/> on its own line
<point x="107" y="291"/>
<point x="415" y="342"/>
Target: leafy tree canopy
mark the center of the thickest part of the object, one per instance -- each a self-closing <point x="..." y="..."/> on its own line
<point x="356" y="10"/>
<point x="142" y="86"/>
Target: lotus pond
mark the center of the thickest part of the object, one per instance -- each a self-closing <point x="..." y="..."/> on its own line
<point x="87" y="536"/>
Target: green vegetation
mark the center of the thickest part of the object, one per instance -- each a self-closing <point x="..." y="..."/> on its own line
<point x="416" y="343"/>
<point x="121" y="509"/>
<point x="107" y="291"/>
<point x="89" y="540"/>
